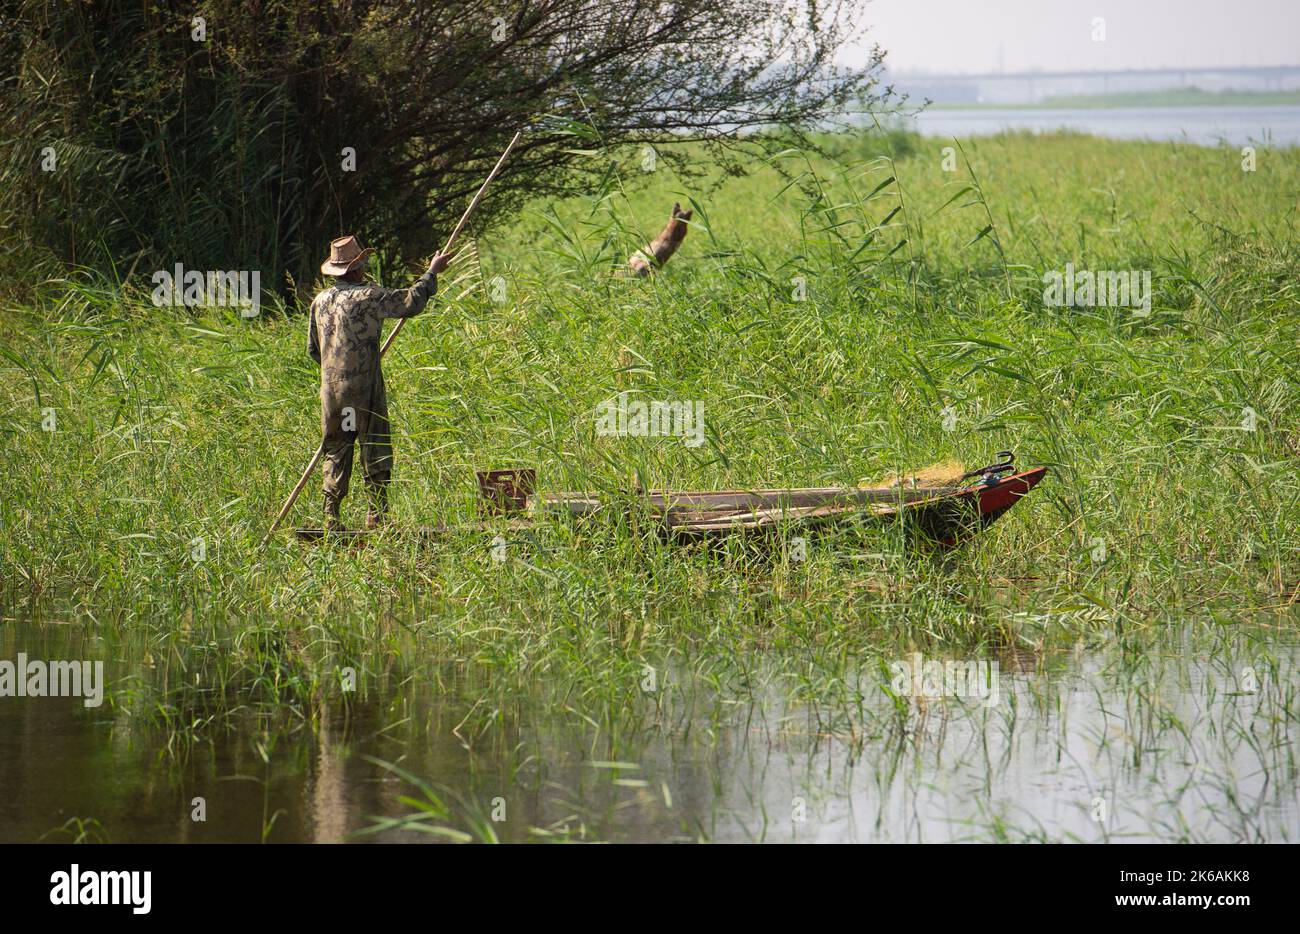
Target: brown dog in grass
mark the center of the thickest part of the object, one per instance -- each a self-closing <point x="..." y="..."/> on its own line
<point x="644" y="262"/>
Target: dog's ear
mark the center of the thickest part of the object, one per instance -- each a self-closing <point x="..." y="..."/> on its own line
<point x="685" y="215"/>
<point x="677" y="210"/>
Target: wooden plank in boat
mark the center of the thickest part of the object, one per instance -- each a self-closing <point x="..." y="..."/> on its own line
<point x="421" y="532"/>
<point x="584" y="503"/>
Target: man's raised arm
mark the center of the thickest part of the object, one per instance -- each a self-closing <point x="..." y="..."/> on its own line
<point x="406" y="303"/>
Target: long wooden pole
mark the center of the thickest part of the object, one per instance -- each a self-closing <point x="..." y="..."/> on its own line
<point x="320" y="451"/>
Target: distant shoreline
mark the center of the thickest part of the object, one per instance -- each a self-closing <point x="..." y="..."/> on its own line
<point x="1174" y="97"/>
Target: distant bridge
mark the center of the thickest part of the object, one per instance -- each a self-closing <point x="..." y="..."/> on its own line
<point x="1261" y="71"/>
<point x="972" y="86"/>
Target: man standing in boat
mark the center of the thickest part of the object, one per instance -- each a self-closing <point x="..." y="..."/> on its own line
<point x="345" y="323"/>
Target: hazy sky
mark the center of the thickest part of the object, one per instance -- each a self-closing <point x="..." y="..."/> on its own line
<point x="1018" y="35"/>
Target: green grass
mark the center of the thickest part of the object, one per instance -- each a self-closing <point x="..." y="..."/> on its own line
<point x="923" y="293"/>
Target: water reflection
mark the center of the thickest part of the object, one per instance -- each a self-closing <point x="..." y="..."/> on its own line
<point x="1094" y="744"/>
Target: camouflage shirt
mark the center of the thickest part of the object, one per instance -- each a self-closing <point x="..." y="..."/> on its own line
<point x="344" y="328"/>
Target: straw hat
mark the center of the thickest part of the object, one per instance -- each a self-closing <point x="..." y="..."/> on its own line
<point x="345" y="255"/>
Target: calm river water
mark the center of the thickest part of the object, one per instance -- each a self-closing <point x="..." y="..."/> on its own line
<point x="1206" y="126"/>
<point x="1193" y="741"/>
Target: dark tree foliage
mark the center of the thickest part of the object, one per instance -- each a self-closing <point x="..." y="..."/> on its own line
<point x="228" y="152"/>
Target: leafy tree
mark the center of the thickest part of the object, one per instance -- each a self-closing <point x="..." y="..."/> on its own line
<point x="234" y="134"/>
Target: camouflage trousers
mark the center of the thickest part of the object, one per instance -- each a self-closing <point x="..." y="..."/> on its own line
<point x="365" y="425"/>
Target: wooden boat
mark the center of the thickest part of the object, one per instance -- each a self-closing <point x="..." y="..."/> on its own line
<point x="945" y="515"/>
